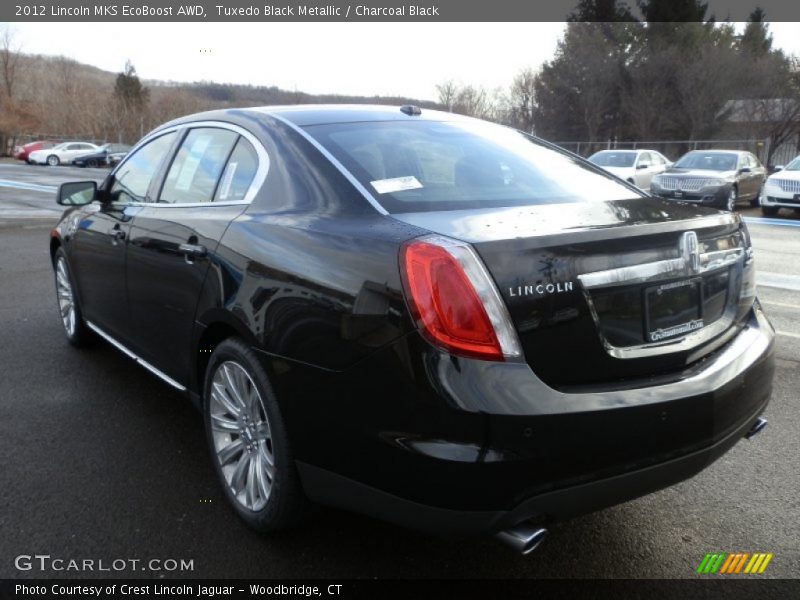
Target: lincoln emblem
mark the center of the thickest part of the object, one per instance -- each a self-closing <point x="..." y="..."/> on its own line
<point x="541" y="289"/>
<point x="690" y="251"/>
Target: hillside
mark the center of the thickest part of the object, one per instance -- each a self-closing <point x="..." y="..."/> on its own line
<point x="57" y="97"/>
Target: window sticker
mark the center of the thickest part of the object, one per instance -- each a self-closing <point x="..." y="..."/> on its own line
<point x="396" y="184"/>
<point x="189" y="168"/>
<point x="227" y="180"/>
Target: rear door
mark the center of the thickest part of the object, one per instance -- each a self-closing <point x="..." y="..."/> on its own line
<point x="175" y="237"/>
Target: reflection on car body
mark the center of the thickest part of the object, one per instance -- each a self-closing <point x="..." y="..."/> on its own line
<point x="719" y="178"/>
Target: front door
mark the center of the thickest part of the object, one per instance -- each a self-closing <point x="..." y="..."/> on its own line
<point x="98" y="257"/>
<point x="102" y="237"/>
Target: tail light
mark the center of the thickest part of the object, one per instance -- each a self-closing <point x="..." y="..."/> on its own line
<point x="454" y="301"/>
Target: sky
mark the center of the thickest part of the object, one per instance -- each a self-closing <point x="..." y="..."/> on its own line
<point x="388" y="59"/>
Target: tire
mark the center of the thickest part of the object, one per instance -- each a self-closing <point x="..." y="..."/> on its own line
<point x="770" y="211"/>
<point x="244" y="429"/>
<point x="53" y="160"/>
<point x="757" y="200"/>
<point x="68" y="305"/>
<point x="92" y="163"/>
<point x="730" y="202"/>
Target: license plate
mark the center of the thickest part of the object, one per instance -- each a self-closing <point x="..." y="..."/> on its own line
<point x="673" y="309"/>
<point x="679" y="194"/>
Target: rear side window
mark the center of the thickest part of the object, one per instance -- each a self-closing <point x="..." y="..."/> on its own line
<point x="426" y="165"/>
<point x="193" y="175"/>
<point x="238" y="173"/>
<point x="133" y="178"/>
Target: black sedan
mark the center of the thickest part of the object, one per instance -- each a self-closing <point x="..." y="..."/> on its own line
<point x="426" y="318"/>
<point x="719" y="178"/>
<point x="108" y="155"/>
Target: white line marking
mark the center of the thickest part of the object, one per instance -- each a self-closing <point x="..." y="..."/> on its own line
<point x="27" y="186"/>
<point x="778" y="280"/>
<point x="788" y="334"/>
<point x="782" y="304"/>
<point x="778" y="222"/>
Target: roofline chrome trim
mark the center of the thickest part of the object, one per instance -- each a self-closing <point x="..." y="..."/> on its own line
<point x="255" y="185"/>
<point x="333" y="160"/>
<point x="138" y="359"/>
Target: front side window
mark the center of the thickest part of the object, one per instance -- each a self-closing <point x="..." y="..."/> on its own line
<point x="132" y="179"/>
<point x="427" y="165"/>
<point x="197" y="167"/>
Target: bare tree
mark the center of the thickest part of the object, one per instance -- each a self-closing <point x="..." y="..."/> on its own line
<point x="9" y="62"/>
<point x="646" y="97"/>
<point x="522" y="100"/>
<point x="447" y="93"/>
<point x="703" y="85"/>
<point x="769" y="103"/>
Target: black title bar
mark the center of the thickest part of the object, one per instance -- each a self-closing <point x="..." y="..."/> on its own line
<point x="345" y="10"/>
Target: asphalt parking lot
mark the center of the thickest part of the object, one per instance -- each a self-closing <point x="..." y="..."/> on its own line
<point x="101" y="460"/>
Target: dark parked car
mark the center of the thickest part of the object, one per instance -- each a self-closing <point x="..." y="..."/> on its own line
<point x="22" y="152"/>
<point x="108" y="155"/>
<point x="422" y="317"/>
<point x="719" y="178"/>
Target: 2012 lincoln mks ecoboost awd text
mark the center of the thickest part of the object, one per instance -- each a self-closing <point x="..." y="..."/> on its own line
<point x="430" y="319"/>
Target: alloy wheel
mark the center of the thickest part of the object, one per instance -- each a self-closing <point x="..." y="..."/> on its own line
<point x="52" y="160"/>
<point x="242" y="436"/>
<point x="66" y="299"/>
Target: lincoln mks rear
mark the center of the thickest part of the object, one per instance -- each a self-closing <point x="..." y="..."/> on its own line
<point x="433" y="320"/>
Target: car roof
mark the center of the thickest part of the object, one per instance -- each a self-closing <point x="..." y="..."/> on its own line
<point x="718" y="152"/>
<point x="304" y="115"/>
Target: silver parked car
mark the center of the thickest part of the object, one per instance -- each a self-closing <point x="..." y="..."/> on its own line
<point x="634" y="166"/>
<point x="63" y="153"/>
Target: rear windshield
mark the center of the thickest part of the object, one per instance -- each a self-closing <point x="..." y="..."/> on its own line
<point x="427" y="166"/>
<point x="613" y="159"/>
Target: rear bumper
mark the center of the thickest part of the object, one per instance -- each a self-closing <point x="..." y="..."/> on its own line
<point x="489" y="445"/>
<point x="336" y="490"/>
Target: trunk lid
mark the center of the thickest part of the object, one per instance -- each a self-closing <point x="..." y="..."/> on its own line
<point x="604" y="292"/>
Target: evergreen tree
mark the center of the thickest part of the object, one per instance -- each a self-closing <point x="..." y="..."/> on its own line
<point x="756" y="38"/>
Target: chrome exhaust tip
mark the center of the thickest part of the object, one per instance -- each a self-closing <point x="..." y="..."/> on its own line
<point x="757" y="428"/>
<point x="524" y="537"/>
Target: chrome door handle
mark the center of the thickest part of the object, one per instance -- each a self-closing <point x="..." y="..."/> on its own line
<point x="193" y="250"/>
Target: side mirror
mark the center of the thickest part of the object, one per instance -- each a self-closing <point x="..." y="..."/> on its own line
<point x="643" y="165"/>
<point x="745" y="170"/>
<point x="76" y="193"/>
<point x="778" y="168"/>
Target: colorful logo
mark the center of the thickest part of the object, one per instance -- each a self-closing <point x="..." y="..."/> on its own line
<point x="734" y="563"/>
